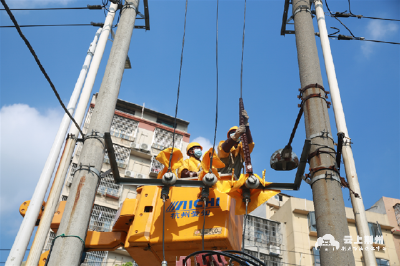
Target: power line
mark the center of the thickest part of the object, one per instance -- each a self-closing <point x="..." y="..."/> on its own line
<point x="90" y="7"/>
<point x="39" y="64"/>
<point x="351" y="38"/>
<point x="53" y="25"/>
<point x="327" y="6"/>
<point x="350" y="14"/>
<point x="244" y="27"/>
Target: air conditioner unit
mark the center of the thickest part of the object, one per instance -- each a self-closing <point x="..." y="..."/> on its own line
<point x="275" y="250"/>
<point x="140" y="176"/>
<point x="121" y="165"/>
<point x="133" y="145"/>
<point x="129" y="173"/>
<point x="144" y="146"/>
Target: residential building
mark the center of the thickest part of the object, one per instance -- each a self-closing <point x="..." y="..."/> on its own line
<point x="390" y="207"/>
<point x="296" y="219"/>
<point x="138" y="135"/>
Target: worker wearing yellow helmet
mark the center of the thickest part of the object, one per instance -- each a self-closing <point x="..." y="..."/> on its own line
<point x="191" y="166"/>
<point x="230" y="151"/>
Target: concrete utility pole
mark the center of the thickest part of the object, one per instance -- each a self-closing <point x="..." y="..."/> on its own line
<point x="327" y="194"/>
<point x="348" y="159"/>
<point x="68" y="249"/>
<point x="53" y="198"/>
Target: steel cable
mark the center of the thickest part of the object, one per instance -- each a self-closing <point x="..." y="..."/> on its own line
<point x="53" y="25"/>
<point x="216" y="105"/>
<point x="244" y="225"/>
<point x="55" y="8"/>
<point x="39" y="64"/>
<point x="241" y="70"/>
<point x="204" y="222"/>
<point x="296" y="124"/>
<point x="179" y="86"/>
<point x="163" y="230"/>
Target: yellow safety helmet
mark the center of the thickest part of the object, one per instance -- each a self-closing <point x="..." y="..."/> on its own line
<point x="229" y="131"/>
<point x="191" y="145"/>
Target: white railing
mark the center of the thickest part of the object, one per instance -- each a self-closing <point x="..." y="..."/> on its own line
<point x="108" y="188"/>
<point x="267" y="259"/>
<point x="101" y="219"/>
<point x="121" y="155"/>
<point x="262" y="232"/>
<point x="163" y="139"/>
<point x="155" y="166"/>
<point x="124" y="128"/>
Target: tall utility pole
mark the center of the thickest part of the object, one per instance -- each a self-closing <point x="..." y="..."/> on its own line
<point x="21" y="242"/>
<point x="53" y="198"/>
<point x="67" y="249"/>
<point x="348" y="159"/>
<point x="327" y="194"/>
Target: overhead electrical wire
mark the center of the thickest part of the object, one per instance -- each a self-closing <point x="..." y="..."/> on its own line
<point x="350" y="14"/>
<point x="39" y="64"/>
<point x="241" y="69"/>
<point x="179" y="85"/>
<point x="53" y="25"/>
<point x="90" y="7"/>
<point x="327" y="6"/>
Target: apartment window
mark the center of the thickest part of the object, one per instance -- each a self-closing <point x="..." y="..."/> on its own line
<point x="101" y="218"/>
<point x="376" y="231"/>
<point x="95" y="258"/>
<point x="124" y="128"/>
<point x="382" y="262"/>
<point x="121" y="155"/>
<point x="165" y="123"/>
<point x="155" y="166"/>
<point x="108" y="188"/>
<point x="262" y="232"/>
<point x="312" y="224"/>
<point x="88" y="118"/>
<point x="50" y="239"/>
<point x="73" y="168"/>
<point x="317" y="259"/>
<point x="163" y="139"/>
<point x="397" y="212"/>
<point x="265" y="258"/>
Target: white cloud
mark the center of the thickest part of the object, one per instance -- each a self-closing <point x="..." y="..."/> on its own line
<point x="26" y="137"/>
<point x="205" y="143"/>
<point x="37" y="3"/>
<point x="378" y="30"/>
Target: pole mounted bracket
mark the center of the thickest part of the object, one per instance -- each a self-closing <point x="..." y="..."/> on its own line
<point x="88" y="168"/>
<point x="325" y="176"/>
<point x="95" y="135"/>
<point x="323" y="134"/>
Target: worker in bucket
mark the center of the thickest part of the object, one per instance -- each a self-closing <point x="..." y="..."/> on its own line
<point x="191" y="167"/>
<point x="230" y="151"/>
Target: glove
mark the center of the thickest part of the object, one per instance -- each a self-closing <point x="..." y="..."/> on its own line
<point x="240" y="131"/>
<point x="245" y="118"/>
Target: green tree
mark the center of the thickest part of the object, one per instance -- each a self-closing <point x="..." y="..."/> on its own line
<point x="126" y="264"/>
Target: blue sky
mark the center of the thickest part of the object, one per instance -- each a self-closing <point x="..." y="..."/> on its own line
<point x="368" y="76"/>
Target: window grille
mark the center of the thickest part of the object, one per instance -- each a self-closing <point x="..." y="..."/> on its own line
<point x="108" y="188"/>
<point x="121" y="155"/>
<point x="163" y="139"/>
<point x="397" y="212"/>
<point x="95" y="258"/>
<point x="382" y="262"/>
<point x="267" y="259"/>
<point x="155" y="166"/>
<point x="124" y="128"/>
<point x="312" y="223"/>
<point x="71" y="173"/>
<point x="50" y="239"/>
<point x="317" y="259"/>
<point x="376" y="231"/>
<point x="101" y="219"/>
<point x="88" y="118"/>
<point x="262" y="232"/>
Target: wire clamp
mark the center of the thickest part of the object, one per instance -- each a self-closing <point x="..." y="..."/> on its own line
<point x="299" y="9"/>
<point x="95" y="135"/>
<point x="323" y="134"/>
<point x="325" y="176"/>
<point x="88" y="168"/>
